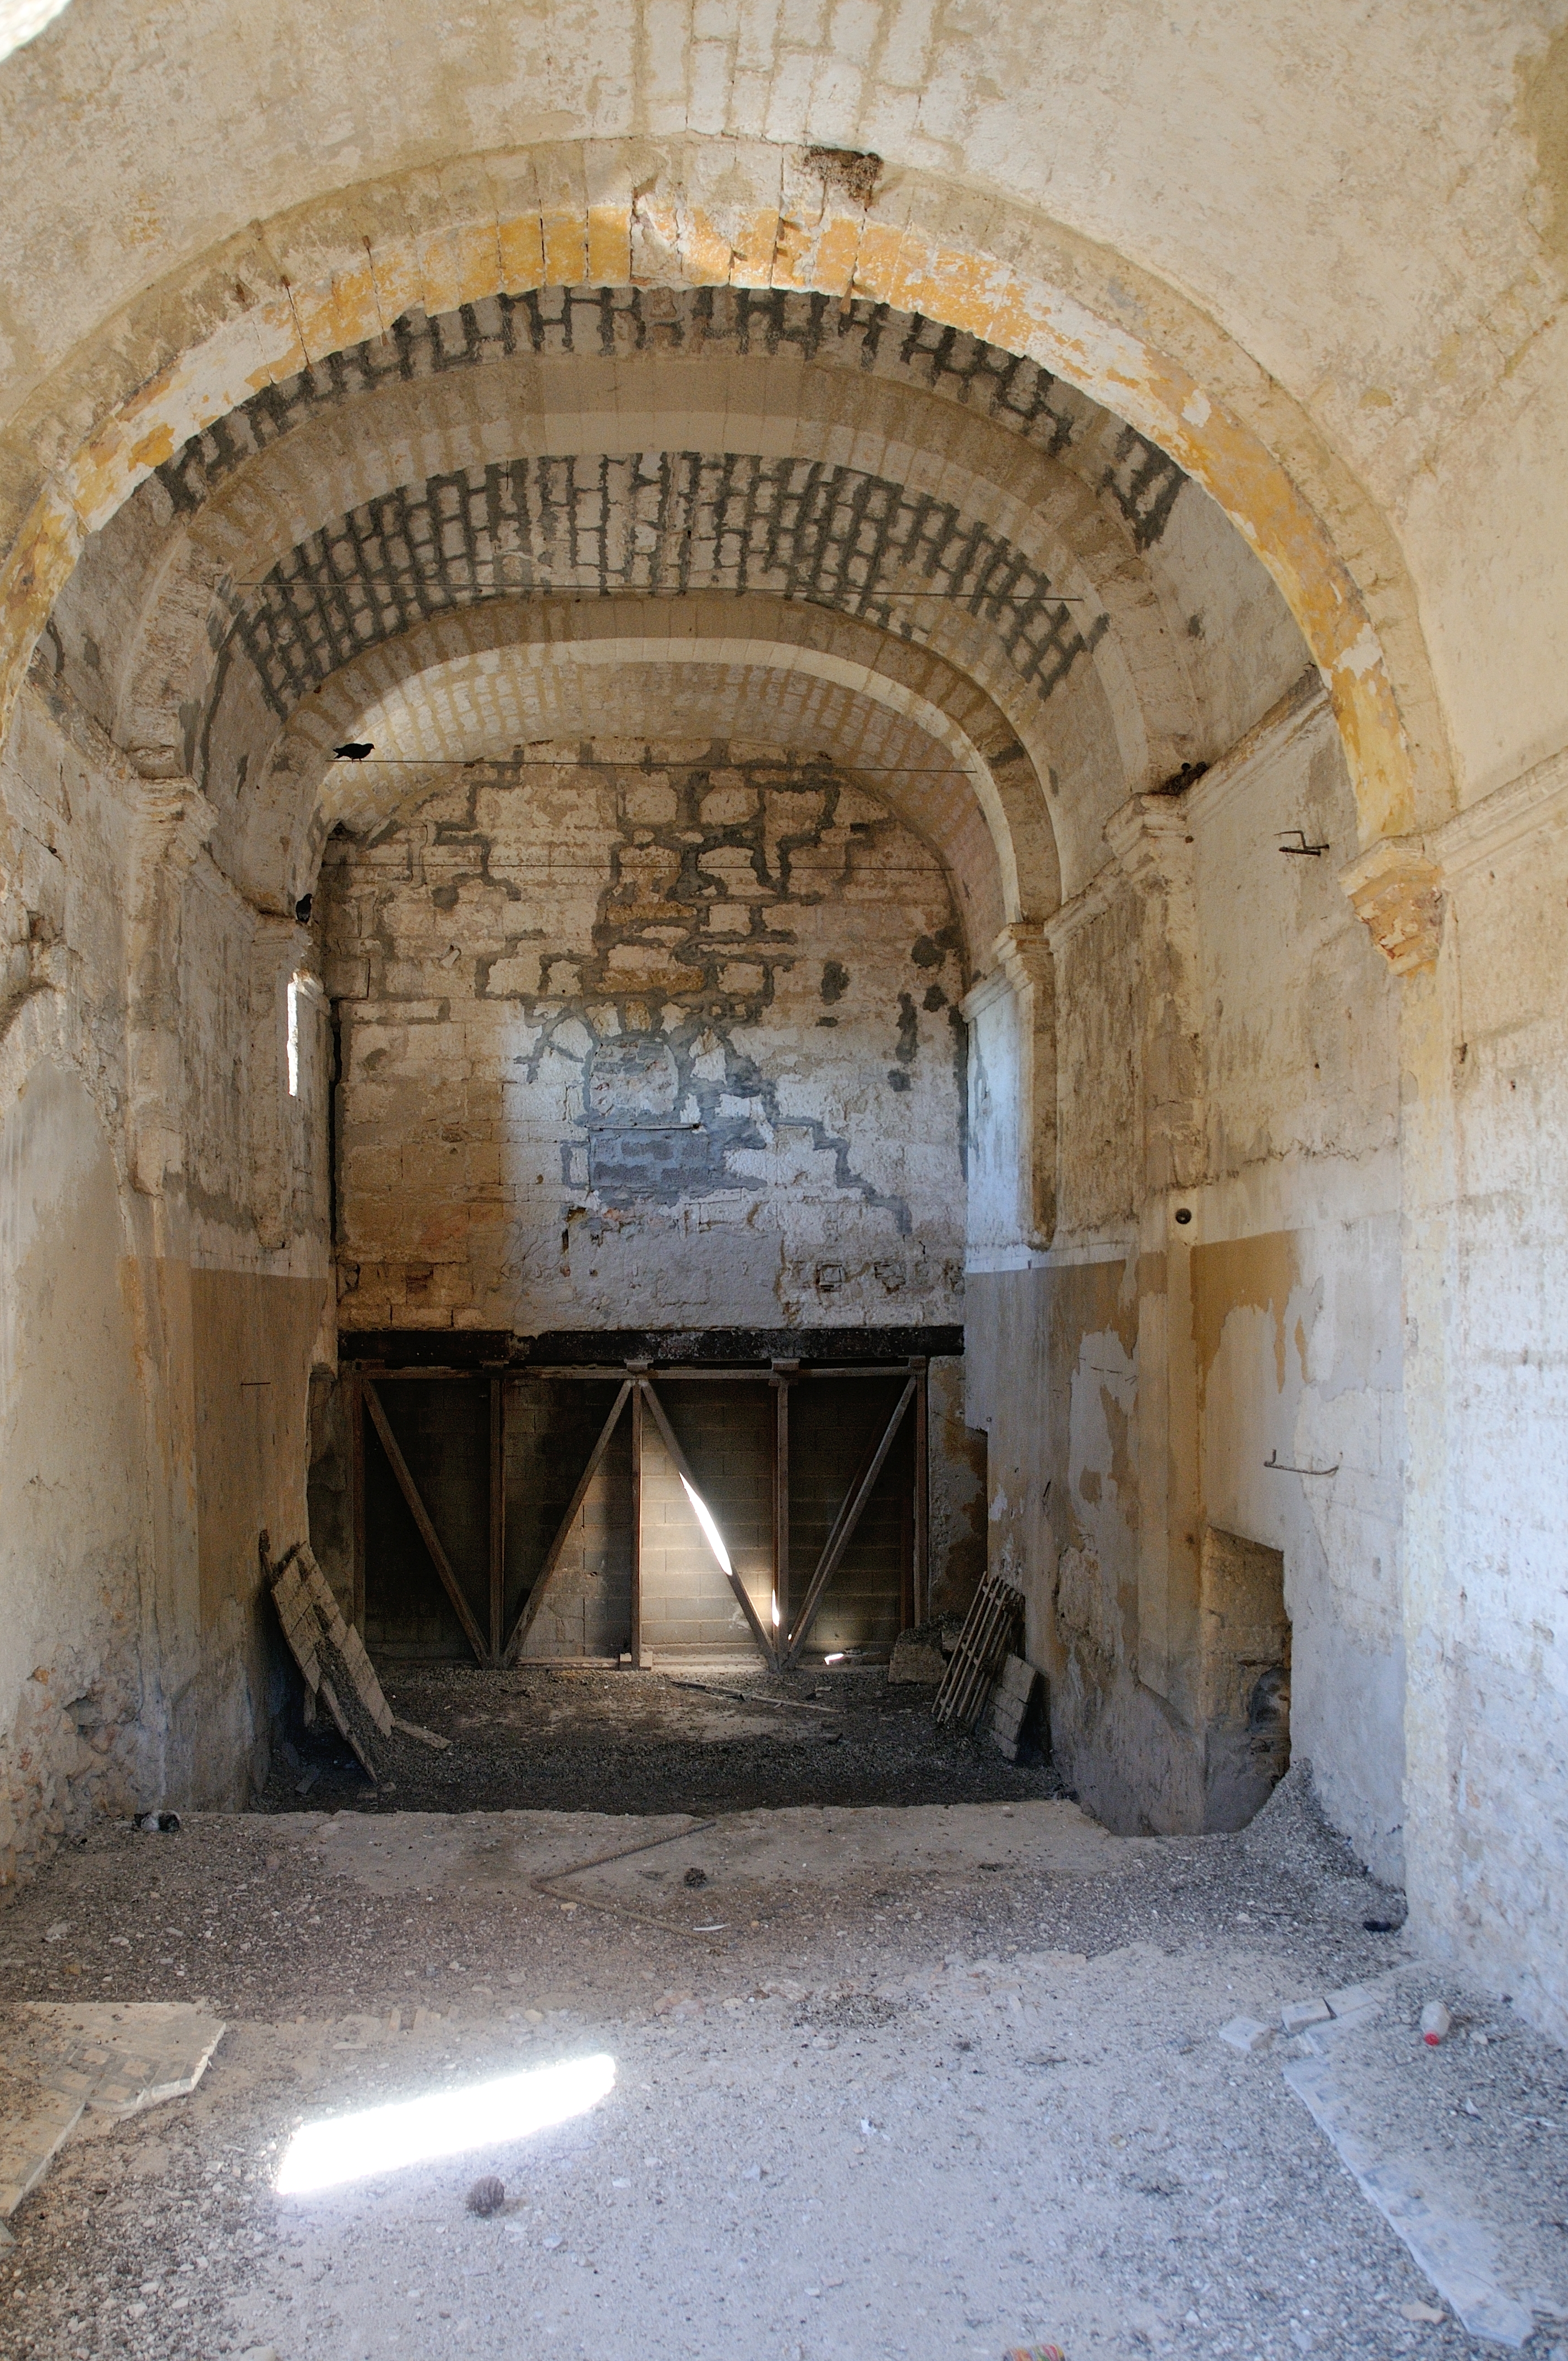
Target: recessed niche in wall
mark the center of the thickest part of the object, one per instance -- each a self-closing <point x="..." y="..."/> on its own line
<point x="1244" y="1687"/>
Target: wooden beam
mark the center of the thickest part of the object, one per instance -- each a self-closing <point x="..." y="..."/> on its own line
<point x="636" y="1524"/>
<point x="923" y="1498"/>
<point x="420" y="1515"/>
<point x="356" y="1499"/>
<point x="781" y="1504"/>
<point x="683" y="1467"/>
<point x="498" y="1515"/>
<point x="527" y="1612"/>
<point x="848" y="1517"/>
<point x="906" y="1548"/>
<point x="867" y="1456"/>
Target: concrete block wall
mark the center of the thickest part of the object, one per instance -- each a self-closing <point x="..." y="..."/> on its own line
<point x="688" y="1608"/>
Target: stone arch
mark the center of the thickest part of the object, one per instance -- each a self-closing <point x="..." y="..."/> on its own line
<point x="611" y="212"/>
<point x="501" y="667"/>
<point x="981" y="442"/>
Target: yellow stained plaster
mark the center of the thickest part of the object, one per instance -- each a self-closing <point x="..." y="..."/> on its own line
<point x="520" y="248"/>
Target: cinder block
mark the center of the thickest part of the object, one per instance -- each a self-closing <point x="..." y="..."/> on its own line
<point x="1245" y="2033"/>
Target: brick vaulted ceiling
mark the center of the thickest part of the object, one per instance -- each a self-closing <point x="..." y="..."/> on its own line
<point x="887" y="540"/>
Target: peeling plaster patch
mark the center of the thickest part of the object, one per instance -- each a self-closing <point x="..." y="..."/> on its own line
<point x="1542" y="109"/>
<point x="1232" y="1275"/>
<point x="1362" y="656"/>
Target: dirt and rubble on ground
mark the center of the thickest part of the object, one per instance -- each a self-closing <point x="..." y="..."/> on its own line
<point x="713" y="1738"/>
<point x="934" y="2081"/>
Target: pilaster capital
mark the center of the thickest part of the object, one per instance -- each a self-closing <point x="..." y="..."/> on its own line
<point x="174" y="820"/>
<point x="1152" y="841"/>
<point x="1396" y="888"/>
<point x="1023" y="951"/>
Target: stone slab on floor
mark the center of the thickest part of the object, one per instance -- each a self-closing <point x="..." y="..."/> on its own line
<point x="115" y="2057"/>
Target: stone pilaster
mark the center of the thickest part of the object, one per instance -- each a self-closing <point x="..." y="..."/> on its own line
<point x="1152" y="840"/>
<point x="1153" y="844"/>
<point x="1023" y="953"/>
<point x="173" y="821"/>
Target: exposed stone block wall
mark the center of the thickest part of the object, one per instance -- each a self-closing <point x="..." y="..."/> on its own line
<point x="660" y="1036"/>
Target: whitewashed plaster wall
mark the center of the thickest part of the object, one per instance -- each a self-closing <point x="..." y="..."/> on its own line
<point x="1486" y="1596"/>
<point x="161" y="1290"/>
<point x="1136" y="1375"/>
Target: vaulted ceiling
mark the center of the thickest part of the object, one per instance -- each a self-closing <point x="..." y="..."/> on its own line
<point x="540" y="519"/>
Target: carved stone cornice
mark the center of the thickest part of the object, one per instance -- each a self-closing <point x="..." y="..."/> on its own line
<point x="1396" y="888"/>
<point x="1485" y="830"/>
<point x="1023" y="951"/>
<point x="1094" y="900"/>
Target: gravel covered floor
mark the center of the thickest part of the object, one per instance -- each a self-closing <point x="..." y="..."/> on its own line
<point x="714" y="1738"/>
<point x="941" y="2083"/>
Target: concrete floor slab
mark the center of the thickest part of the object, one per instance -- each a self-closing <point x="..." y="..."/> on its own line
<point x="911" y="2105"/>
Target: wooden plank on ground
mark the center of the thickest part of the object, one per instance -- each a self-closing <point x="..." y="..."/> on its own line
<point x="328" y="1651"/>
<point x="342" y="1635"/>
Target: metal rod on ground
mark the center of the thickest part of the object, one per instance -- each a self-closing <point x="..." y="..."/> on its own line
<point x="547" y="1884"/>
<point x="527" y="1612"/>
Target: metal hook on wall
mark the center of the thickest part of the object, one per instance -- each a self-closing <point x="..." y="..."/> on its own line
<point x="1301" y="849"/>
<point x="1283" y="1467"/>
